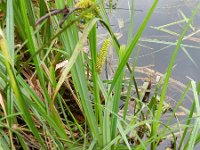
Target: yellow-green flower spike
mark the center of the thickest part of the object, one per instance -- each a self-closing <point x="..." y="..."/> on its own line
<point x="102" y="55"/>
<point x="85" y="4"/>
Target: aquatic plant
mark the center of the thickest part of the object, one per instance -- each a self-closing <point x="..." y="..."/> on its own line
<point x="54" y="96"/>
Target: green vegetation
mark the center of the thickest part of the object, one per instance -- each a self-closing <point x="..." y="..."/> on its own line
<point x="53" y="95"/>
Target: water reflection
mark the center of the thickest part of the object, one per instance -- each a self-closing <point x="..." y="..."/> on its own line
<point x="159" y="39"/>
<point x="159" y="54"/>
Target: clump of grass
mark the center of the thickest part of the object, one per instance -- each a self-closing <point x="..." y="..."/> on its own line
<point x="37" y="100"/>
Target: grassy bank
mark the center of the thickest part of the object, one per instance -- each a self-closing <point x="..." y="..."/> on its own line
<point x="52" y="91"/>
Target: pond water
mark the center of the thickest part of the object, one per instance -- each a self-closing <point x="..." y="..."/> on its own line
<point x="151" y="52"/>
<point x="158" y="42"/>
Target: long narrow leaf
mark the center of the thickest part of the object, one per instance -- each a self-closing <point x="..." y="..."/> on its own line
<point x="132" y="45"/>
<point x="169" y="70"/>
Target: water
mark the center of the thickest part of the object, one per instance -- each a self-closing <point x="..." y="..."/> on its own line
<point x="151" y="53"/>
<point x="158" y="55"/>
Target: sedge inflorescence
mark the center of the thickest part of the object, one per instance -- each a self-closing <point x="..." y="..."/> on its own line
<point x="102" y="55"/>
<point x="84" y="5"/>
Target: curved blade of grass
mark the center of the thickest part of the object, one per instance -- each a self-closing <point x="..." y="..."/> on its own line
<point x="116" y="44"/>
<point x="30" y="12"/>
<point x="15" y="87"/>
<point x="10" y="29"/>
<point x="130" y="127"/>
<point x="132" y="45"/>
<point x="166" y="31"/>
<point x="167" y="43"/>
<point x="106" y="113"/>
<point x="46" y="29"/>
<point x="59" y="33"/>
<point x="191" y="142"/>
<point x="119" y="126"/>
<point x="93" y="50"/>
<point x="4" y="144"/>
<point x="37" y="105"/>
<point x="18" y="20"/>
<point x="130" y="86"/>
<point x="186" y="19"/>
<point x="190" y="58"/>
<point x="155" y="125"/>
<point x="87" y="107"/>
<point x="3" y="107"/>
<point x="74" y="56"/>
<point x="169" y="24"/>
<point x="92" y="145"/>
<point x="32" y="47"/>
<point x="187" y="125"/>
<point x="177" y="105"/>
<point x="197" y="139"/>
<point x="78" y="72"/>
<point x="117" y="96"/>
<point x="10" y="44"/>
<point x="131" y="25"/>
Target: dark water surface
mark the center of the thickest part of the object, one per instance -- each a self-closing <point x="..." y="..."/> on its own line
<point x="167" y="11"/>
<point x="153" y="51"/>
<point x="158" y="54"/>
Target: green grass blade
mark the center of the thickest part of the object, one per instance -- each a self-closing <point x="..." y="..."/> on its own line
<point x="15" y="87"/>
<point x="131" y="25"/>
<point x="30" y="12"/>
<point x="169" y="70"/>
<point x="10" y="29"/>
<point x="193" y="136"/>
<point x="19" y="20"/>
<point x="32" y="47"/>
<point x="186" y="19"/>
<point x="93" y="50"/>
<point x="168" y="43"/>
<point x="132" y="45"/>
<point x="190" y="57"/>
<point x="117" y="96"/>
<point x="10" y="43"/>
<point x="78" y="74"/>
<point x="75" y="55"/>
<point x="132" y="80"/>
<point x="119" y="126"/>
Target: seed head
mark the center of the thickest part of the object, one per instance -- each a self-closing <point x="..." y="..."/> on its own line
<point x="102" y="55"/>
